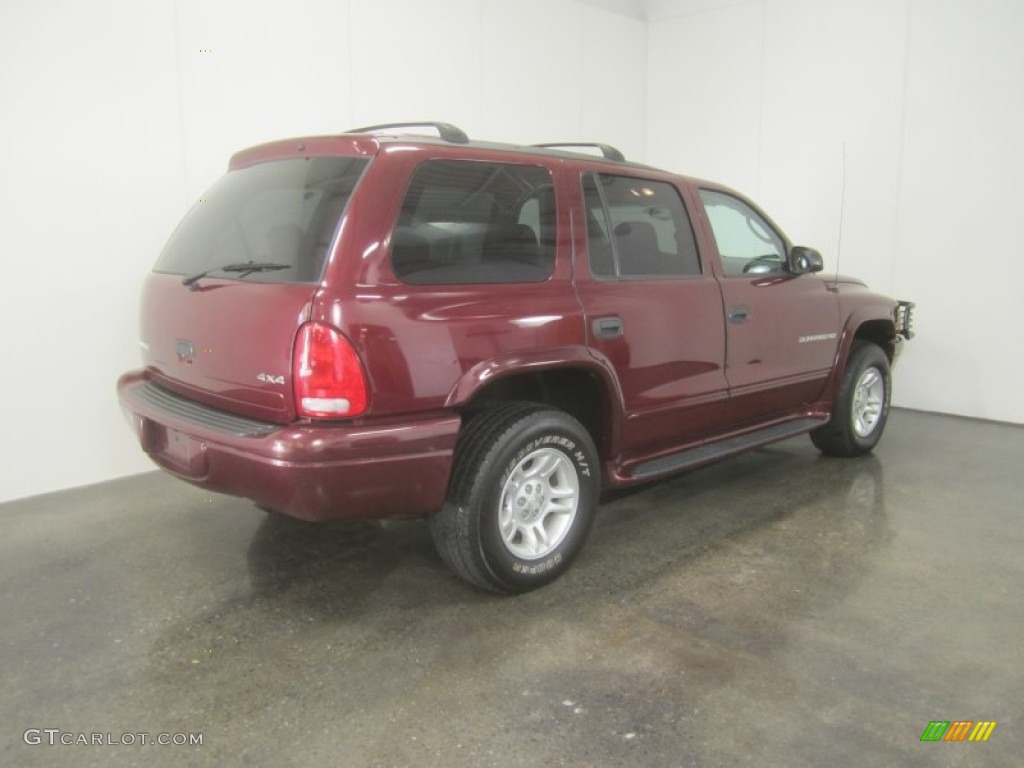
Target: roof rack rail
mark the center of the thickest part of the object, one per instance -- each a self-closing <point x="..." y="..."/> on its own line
<point x="609" y="152"/>
<point x="447" y="131"/>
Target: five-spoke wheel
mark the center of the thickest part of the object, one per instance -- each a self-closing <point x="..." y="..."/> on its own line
<point x="524" y="491"/>
<point x="538" y="503"/>
<point x="862" y="406"/>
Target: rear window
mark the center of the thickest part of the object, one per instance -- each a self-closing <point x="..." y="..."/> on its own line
<point x="466" y="221"/>
<point x="282" y="213"/>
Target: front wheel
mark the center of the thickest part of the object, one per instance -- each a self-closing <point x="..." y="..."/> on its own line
<point x="862" y="407"/>
<point x="523" y="495"/>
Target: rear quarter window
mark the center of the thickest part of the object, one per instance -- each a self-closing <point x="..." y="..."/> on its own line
<point x="283" y="212"/>
<point x="467" y="222"/>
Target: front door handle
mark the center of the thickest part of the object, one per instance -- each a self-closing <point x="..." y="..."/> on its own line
<point x="607" y="327"/>
<point x="739" y="314"/>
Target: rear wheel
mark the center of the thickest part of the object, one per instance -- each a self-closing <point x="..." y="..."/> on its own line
<point x="862" y="407"/>
<point x="524" y="491"/>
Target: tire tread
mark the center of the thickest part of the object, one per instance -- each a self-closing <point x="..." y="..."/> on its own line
<point x="451" y="527"/>
<point x="835" y="437"/>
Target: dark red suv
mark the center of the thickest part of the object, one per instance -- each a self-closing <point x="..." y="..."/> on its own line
<point x="379" y="325"/>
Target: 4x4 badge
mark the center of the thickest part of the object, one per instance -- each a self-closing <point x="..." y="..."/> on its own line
<point x="186" y="351"/>
<point x="266" y="378"/>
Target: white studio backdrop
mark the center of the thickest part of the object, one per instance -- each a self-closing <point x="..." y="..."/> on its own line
<point x="118" y="114"/>
<point x="927" y="97"/>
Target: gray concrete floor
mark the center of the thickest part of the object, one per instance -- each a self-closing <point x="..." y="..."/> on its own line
<point x="778" y="609"/>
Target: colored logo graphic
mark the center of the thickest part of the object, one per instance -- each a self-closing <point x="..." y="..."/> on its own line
<point x="958" y="730"/>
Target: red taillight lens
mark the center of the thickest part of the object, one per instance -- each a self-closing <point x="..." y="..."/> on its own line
<point x="328" y="377"/>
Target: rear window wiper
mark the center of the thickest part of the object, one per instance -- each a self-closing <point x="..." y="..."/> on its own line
<point x="243" y="268"/>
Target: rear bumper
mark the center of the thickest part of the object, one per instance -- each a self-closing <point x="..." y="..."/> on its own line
<point x="328" y="471"/>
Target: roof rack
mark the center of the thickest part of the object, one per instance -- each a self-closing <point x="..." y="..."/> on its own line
<point x="609" y="152"/>
<point x="447" y="131"/>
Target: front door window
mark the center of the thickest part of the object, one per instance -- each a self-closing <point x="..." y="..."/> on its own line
<point x="746" y="242"/>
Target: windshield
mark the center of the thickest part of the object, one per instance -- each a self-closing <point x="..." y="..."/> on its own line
<point x="283" y="212"/>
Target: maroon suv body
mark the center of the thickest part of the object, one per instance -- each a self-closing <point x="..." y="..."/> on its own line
<point x="392" y="326"/>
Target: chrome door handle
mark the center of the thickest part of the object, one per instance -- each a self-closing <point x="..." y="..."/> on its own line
<point x="607" y="327"/>
<point x="739" y="314"/>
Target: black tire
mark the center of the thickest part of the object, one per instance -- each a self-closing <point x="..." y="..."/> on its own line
<point x="858" y="417"/>
<point x="493" y="459"/>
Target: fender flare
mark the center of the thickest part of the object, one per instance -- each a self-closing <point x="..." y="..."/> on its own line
<point x="577" y="356"/>
<point x="857" y="318"/>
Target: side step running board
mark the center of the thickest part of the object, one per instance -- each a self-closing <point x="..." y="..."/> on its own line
<point x="704" y="454"/>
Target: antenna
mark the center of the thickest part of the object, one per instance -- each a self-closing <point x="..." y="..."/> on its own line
<point x="842" y="210"/>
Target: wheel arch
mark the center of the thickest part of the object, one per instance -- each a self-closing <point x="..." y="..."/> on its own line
<point x="873" y="324"/>
<point x="571" y="379"/>
<point x="878" y="331"/>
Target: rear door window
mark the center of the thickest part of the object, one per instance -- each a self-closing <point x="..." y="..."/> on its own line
<point x="466" y="221"/>
<point x="637" y="228"/>
<point x="283" y="213"/>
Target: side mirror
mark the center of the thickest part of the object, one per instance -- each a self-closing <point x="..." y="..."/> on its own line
<point x="803" y="260"/>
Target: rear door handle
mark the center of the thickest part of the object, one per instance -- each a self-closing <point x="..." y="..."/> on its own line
<point x="739" y="314"/>
<point x="607" y="327"/>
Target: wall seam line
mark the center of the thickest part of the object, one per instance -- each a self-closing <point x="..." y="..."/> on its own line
<point x="901" y="156"/>
<point x="181" y="105"/>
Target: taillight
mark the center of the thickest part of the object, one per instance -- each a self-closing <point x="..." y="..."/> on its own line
<point x="327" y="375"/>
